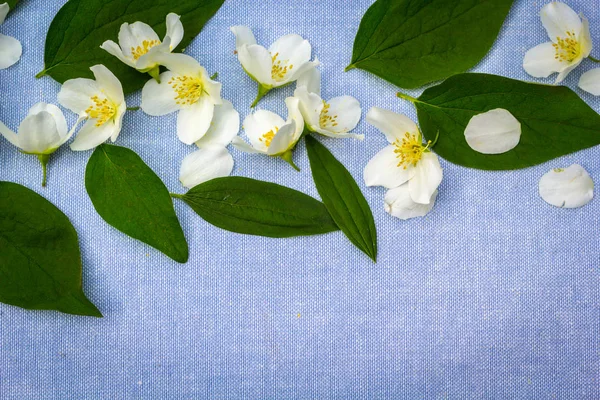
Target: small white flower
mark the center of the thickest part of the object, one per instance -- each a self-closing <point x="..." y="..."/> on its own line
<point x="334" y="118"/>
<point x="406" y="159"/>
<point x="41" y="133"/>
<point x="212" y="160"/>
<point x="571" y="42"/>
<point x="590" y="81"/>
<point x="399" y="203"/>
<point x="493" y="132"/>
<point x="139" y="44"/>
<point x="10" y="48"/>
<point x="186" y="88"/>
<point x="567" y="188"/>
<point x="286" y="60"/>
<point x="269" y="134"/>
<point x="101" y="102"/>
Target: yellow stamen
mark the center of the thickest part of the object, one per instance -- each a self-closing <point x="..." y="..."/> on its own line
<point x="567" y="49"/>
<point x="139" y="51"/>
<point x="102" y="110"/>
<point x="326" y="120"/>
<point x="409" y="150"/>
<point x="188" y="89"/>
<point x="267" y="138"/>
<point x="279" y="72"/>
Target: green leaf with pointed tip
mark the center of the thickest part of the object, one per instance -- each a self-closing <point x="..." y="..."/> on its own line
<point x="252" y="207"/>
<point x="11" y="3"/>
<point x="40" y="261"/>
<point x="81" y="26"/>
<point x="554" y="120"/>
<point x="414" y="42"/>
<point x="343" y="198"/>
<point x="129" y="196"/>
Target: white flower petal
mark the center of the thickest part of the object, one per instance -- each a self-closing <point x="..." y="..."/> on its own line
<point x="590" y="82"/>
<point x="311" y="80"/>
<point x="563" y="74"/>
<point x="257" y="63"/>
<point x="76" y="94"/>
<point x="346" y="111"/>
<point x="493" y="132"/>
<point x="174" y="30"/>
<point x="284" y="140"/>
<point x="193" y="121"/>
<point x="585" y="38"/>
<point x="540" y="62"/>
<point x="180" y="64"/>
<point x="118" y="122"/>
<point x="558" y="19"/>
<point x="291" y="50"/>
<point x="298" y="72"/>
<point x="241" y="145"/>
<point x="243" y="36"/>
<point x="259" y="123"/>
<point x="427" y="178"/>
<point x="383" y="170"/>
<point x="4" y="9"/>
<point x="114" y="49"/>
<point x="213" y="88"/>
<point x="393" y="125"/>
<point x="152" y="58"/>
<point x="567" y="188"/>
<point x="294" y="114"/>
<point x="38" y="133"/>
<point x="159" y="98"/>
<point x="224" y="127"/>
<point x="10" y="51"/>
<point x="9" y="134"/>
<point x="142" y="31"/>
<point x="399" y="204"/>
<point x="108" y="83"/>
<point x="127" y="40"/>
<point x="59" y="117"/>
<point x="90" y="135"/>
<point x="311" y="106"/>
<point x="205" y="164"/>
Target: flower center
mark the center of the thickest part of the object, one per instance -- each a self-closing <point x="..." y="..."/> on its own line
<point x="278" y="72"/>
<point x="409" y="150"/>
<point x="326" y="120"/>
<point x="139" y="51"/>
<point x="188" y="90"/>
<point x="101" y="110"/>
<point x="568" y="48"/>
<point x="267" y="138"/>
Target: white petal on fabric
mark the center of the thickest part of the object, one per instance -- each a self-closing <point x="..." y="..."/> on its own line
<point x="590" y="81"/>
<point x="204" y="165"/>
<point x="243" y="36"/>
<point x="10" y="51"/>
<point x="570" y="187"/>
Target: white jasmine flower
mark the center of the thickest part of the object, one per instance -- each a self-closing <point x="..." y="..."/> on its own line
<point x="212" y="159"/>
<point x="41" y="133"/>
<point x="590" y="81"/>
<point x="280" y="65"/>
<point x="567" y="188"/>
<point x="571" y="42"/>
<point x="101" y="102"/>
<point x="10" y="48"/>
<point x="139" y="44"/>
<point x="399" y="203"/>
<point x="493" y="132"/>
<point x="334" y="118"/>
<point x="186" y="88"/>
<point x="269" y="134"/>
<point x="406" y="159"/>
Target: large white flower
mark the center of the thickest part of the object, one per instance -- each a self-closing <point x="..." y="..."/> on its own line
<point x="286" y="59"/>
<point x="186" y="88"/>
<point x="212" y="160"/>
<point x="101" y="102"/>
<point x="269" y="134"/>
<point x="10" y="48"/>
<point x="139" y="44"/>
<point x="571" y="42"/>
<point x="334" y="118"/>
<point x="406" y="159"/>
<point x="41" y="133"/>
<point x="567" y="187"/>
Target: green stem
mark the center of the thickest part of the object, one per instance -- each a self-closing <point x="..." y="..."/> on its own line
<point x="406" y="97"/>
<point x="350" y="67"/>
<point x="287" y="157"/>
<point x="176" y="196"/>
<point x="155" y="73"/>
<point x="262" y="91"/>
<point x="214" y="76"/>
<point x="40" y="74"/>
<point x="594" y="59"/>
<point x="43" y="158"/>
<point x="133" y="108"/>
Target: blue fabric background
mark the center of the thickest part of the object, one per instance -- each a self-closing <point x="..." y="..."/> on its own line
<point x="494" y="295"/>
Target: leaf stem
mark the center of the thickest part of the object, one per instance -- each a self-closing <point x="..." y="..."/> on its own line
<point x="406" y="97"/>
<point x="593" y="59"/>
<point x="40" y="74"/>
<point x="133" y="108"/>
<point x="262" y="91"/>
<point x="43" y="158"/>
<point x="350" y="67"/>
<point x="288" y="157"/>
<point x="176" y="196"/>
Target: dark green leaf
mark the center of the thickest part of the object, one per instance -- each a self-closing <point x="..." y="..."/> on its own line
<point x="81" y="26"/>
<point x="12" y="3"/>
<point x="554" y="120"/>
<point x="40" y="262"/>
<point x="254" y="207"/>
<point x="343" y="198"/>
<point x="414" y="42"/>
<point x="129" y="196"/>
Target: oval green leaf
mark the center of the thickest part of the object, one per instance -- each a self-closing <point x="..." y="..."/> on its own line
<point x="129" y="196"/>
<point x="554" y="120"/>
<point x="40" y="262"/>
<point x="81" y="26"/>
<point x="414" y="42"/>
<point x="252" y="207"/>
<point x="343" y="198"/>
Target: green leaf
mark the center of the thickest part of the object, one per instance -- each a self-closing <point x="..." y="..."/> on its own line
<point x="81" y="26"/>
<point x="129" y="196"/>
<point x="554" y="120"/>
<point x="414" y="42"/>
<point x="40" y="262"/>
<point x="11" y="3"/>
<point x="343" y="198"/>
<point x="259" y="208"/>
